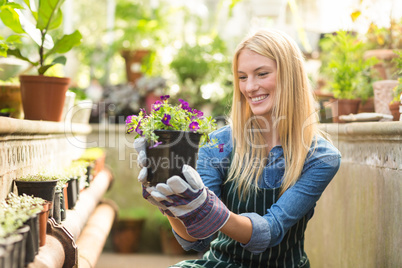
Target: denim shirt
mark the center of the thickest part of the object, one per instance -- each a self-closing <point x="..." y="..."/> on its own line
<point x="321" y="165"/>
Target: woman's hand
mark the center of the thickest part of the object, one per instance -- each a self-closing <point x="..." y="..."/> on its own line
<point x="199" y="209"/>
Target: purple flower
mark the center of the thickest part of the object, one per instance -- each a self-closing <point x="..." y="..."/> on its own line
<point x="165" y="97"/>
<point x="199" y="113"/>
<point x="157" y="105"/>
<point x="184" y="105"/>
<point x="130" y="130"/>
<point x="144" y="112"/>
<point x="166" y="119"/>
<point x="128" y="119"/>
<point x="194" y="126"/>
<point x="220" y="146"/>
<point x="155" y="145"/>
<point x="138" y="129"/>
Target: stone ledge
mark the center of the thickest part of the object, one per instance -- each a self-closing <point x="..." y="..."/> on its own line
<point x="11" y="126"/>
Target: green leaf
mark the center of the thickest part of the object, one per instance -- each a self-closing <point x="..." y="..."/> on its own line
<point x="60" y="60"/>
<point x="3" y="50"/>
<point x="11" y="19"/>
<point x="17" y="53"/>
<point x="66" y="43"/>
<point x="44" y="68"/>
<point x="14" y="39"/>
<point x="49" y="14"/>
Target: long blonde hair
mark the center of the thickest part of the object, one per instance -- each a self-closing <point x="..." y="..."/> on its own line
<point x="293" y="112"/>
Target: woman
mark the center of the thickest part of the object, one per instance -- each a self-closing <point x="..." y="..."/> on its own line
<point x="259" y="187"/>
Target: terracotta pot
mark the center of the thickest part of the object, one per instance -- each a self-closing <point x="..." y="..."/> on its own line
<point x="343" y="107"/>
<point x="394" y="109"/>
<point x="133" y="59"/>
<point x="367" y="106"/>
<point x="10" y="97"/>
<point x="126" y="235"/>
<point x="43" y="97"/>
<point x="64" y="204"/>
<point x="383" y="95"/>
<point x="386" y="68"/>
<point x="43" y="216"/>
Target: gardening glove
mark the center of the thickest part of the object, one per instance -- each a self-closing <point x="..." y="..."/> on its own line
<point x="139" y="145"/>
<point x="200" y="210"/>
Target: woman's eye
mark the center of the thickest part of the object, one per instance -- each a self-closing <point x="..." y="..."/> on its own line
<point x="242" y="77"/>
<point x="263" y="74"/>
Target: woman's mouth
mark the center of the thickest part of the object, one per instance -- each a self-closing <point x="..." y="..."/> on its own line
<point x="259" y="98"/>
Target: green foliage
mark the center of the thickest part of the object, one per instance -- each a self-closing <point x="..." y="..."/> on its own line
<point x="343" y="63"/>
<point x="15" y="210"/>
<point x="133" y="213"/>
<point x="385" y="37"/>
<point x="397" y="91"/>
<point x="168" y="117"/>
<point x="41" y="176"/>
<point x="47" y="16"/>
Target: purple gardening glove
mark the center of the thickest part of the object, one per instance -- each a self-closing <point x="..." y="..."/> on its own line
<point x="200" y="210"/>
<point x="139" y="145"/>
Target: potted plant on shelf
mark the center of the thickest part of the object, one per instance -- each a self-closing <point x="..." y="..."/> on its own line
<point x="127" y="229"/>
<point x="346" y="70"/>
<point x="173" y="134"/>
<point x="20" y="215"/>
<point x="42" y="96"/>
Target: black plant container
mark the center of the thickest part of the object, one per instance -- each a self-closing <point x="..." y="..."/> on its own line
<point x="63" y="212"/>
<point x="72" y="193"/>
<point x="167" y="159"/>
<point x="57" y="207"/>
<point x="42" y="189"/>
<point x="11" y="245"/>
<point x="24" y="230"/>
<point x="32" y="245"/>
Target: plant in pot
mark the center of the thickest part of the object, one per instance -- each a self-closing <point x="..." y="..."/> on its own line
<point x="346" y="69"/>
<point x="42" y="96"/>
<point x="139" y="28"/>
<point x="127" y="229"/>
<point x="22" y="212"/>
<point x="174" y="134"/>
<point x="76" y="174"/>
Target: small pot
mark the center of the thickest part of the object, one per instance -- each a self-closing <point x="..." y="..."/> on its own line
<point x="72" y="192"/>
<point x="32" y="246"/>
<point x="343" y="107"/>
<point x="394" y="108"/>
<point x="43" y="216"/>
<point x="57" y="206"/>
<point x="24" y="230"/>
<point x="167" y="159"/>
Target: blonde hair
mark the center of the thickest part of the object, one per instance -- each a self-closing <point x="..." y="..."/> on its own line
<point x="293" y="111"/>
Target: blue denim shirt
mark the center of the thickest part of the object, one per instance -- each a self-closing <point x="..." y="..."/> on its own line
<point x="320" y="167"/>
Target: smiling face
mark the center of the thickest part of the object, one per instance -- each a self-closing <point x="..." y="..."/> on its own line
<point x="257" y="81"/>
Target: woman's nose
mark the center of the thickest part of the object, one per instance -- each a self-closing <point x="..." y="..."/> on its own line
<point x="251" y="85"/>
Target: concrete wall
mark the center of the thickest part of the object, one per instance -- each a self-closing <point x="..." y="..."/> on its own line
<point x="358" y="220"/>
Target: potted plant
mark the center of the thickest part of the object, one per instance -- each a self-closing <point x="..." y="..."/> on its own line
<point x="139" y="28"/>
<point x="127" y="229"/>
<point x="76" y="174"/>
<point x="20" y="215"/>
<point x="42" y="96"/>
<point x="173" y="134"/>
<point x="346" y="69"/>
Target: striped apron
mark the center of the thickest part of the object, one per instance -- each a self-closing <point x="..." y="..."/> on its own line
<point x="226" y="252"/>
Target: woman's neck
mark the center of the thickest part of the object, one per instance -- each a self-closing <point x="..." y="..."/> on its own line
<point x="269" y="133"/>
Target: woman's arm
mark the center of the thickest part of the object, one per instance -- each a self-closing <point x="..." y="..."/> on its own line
<point x="231" y="228"/>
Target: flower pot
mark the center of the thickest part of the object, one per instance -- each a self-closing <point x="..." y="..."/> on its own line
<point x="167" y="159"/>
<point x="11" y="246"/>
<point x="72" y="192"/>
<point x="367" y="106"/>
<point x="394" y="109"/>
<point x="57" y="206"/>
<point x="126" y="235"/>
<point x="43" y="216"/>
<point x="23" y="231"/>
<point x="133" y="60"/>
<point x="43" y="97"/>
<point x="32" y="246"/>
<point x="383" y="95"/>
<point x="10" y="97"/>
<point x="343" y="107"/>
<point x="81" y="112"/>
<point x="386" y="68"/>
<point x="42" y="189"/>
<point x="64" y="203"/>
